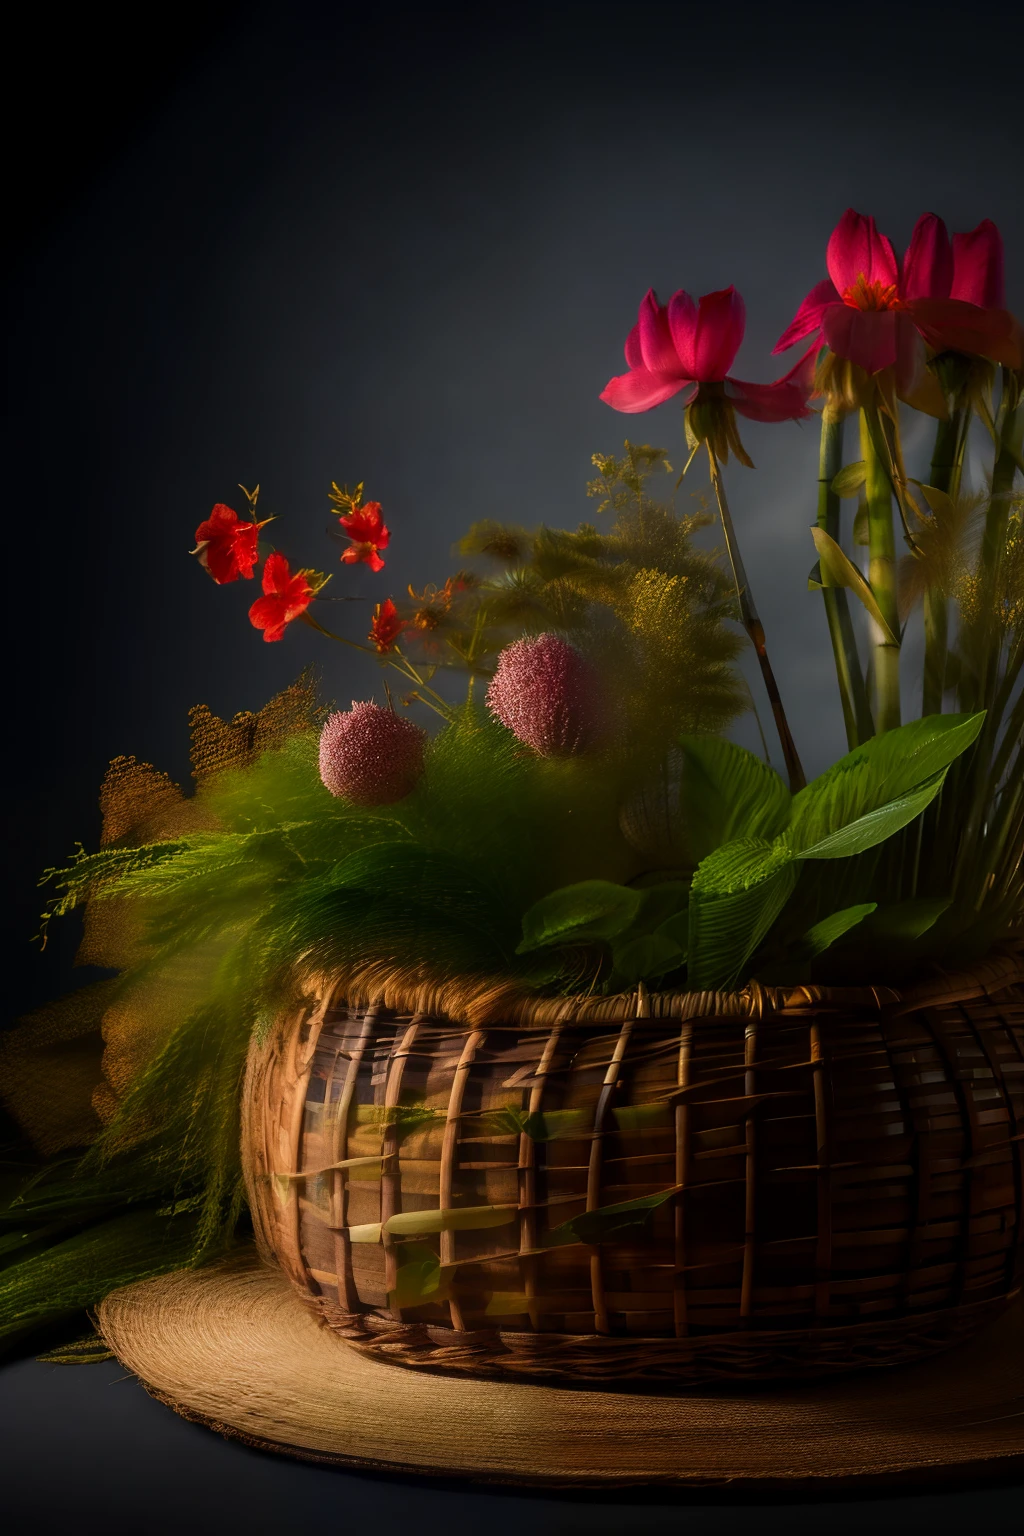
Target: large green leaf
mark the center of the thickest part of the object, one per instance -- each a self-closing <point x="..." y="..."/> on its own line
<point x="593" y="909"/>
<point x="836" y="569"/>
<point x="849" y="479"/>
<point x="644" y="958"/>
<point x="467" y="1218"/>
<point x="881" y="771"/>
<point x="609" y="1220"/>
<point x="737" y="894"/>
<point x="726" y="793"/>
<point x="877" y="825"/>
<point x="824" y="934"/>
<point x="419" y="1279"/>
<point x="906" y="921"/>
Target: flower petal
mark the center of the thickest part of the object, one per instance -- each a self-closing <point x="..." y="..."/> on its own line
<point x="785" y="400"/>
<point x="634" y="357"/>
<point x="954" y="326"/>
<point x="639" y="390"/>
<point x="267" y="613"/>
<point x="276" y="574"/>
<point x="656" y="349"/>
<point x="867" y="337"/>
<point x="978" y="266"/>
<point x="928" y="263"/>
<point x="808" y="316"/>
<point x="856" y="247"/>
<point x="721" y="321"/>
<point x="682" y="321"/>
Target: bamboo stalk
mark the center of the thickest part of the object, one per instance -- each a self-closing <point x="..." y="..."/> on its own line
<point x="944" y="474"/>
<point x="755" y="630"/>
<point x="849" y="674"/>
<point x="882" y="574"/>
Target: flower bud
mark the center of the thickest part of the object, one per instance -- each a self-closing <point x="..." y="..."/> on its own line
<point x="370" y="756"/>
<point x="549" y="696"/>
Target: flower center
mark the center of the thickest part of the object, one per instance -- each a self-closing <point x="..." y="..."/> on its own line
<point x="876" y="295"/>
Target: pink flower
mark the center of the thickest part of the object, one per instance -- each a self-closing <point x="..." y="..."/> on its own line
<point x="683" y="345"/>
<point x="549" y="696"/>
<point x="370" y="756"/>
<point x="978" y="267"/>
<point x="878" y="312"/>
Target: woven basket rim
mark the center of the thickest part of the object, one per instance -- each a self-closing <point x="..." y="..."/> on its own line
<point x="478" y="1001"/>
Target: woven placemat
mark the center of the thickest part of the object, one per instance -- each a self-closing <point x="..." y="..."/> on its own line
<point x="234" y="1348"/>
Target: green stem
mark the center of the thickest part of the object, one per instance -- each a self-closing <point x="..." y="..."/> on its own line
<point x="755" y="630"/>
<point x="1011" y="449"/>
<point x="882" y="572"/>
<point x="947" y="463"/>
<point x="849" y="674"/>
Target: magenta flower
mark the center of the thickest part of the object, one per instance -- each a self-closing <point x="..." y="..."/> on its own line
<point x="370" y="756"/>
<point x="878" y="312"/>
<point x="549" y="696"/>
<point x="978" y="267"/>
<point x="683" y="345"/>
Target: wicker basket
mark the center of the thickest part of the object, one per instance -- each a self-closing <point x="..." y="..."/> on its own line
<point x="846" y="1168"/>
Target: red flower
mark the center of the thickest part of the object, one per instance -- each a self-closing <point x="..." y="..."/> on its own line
<point x="287" y="598"/>
<point x="878" y="312"/>
<point x="685" y="346"/>
<point x="226" y="546"/>
<point x="365" y="527"/>
<point x="386" y="626"/>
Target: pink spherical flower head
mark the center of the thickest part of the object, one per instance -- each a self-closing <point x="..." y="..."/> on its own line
<point x="370" y="756"/>
<point x="549" y="696"/>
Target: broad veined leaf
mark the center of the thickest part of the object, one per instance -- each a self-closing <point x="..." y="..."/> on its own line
<point x="592" y="909"/>
<point x="877" y="773"/>
<point x="906" y="921"/>
<point x="402" y="1118"/>
<point x="468" y="1218"/>
<point x="542" y="1125"/>
<point x="737" y="893"/>
<point x="836" y="569"/>
<point x="676" y="929"/>
<point x="819" y="938"/>
<point x="419" y="1280"/>
<point x="727" y="793"/>
<point x="507" y="1304"/>
<point x="609" y="1220"/>
<point x="861" y="526"/>
<point x="369" y="1232"/>
<point x="644" y="958"/>
<point x="348" y="1162"/>
<point x="658" y="903"/>
<point x="940" y="503"/>
<point x="878" y="824"/>
<point x="642" y="1117"/>
<point x="849" y="479"/>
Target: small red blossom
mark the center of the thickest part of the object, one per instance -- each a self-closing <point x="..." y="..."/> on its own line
<point x="286" y="598"/>
<point x="226" y="546"/>
<point x="365" y="527"/>
<point x="386" y="627"/>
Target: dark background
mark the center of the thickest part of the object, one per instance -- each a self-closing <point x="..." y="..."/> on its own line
<point x="403" y="244"/>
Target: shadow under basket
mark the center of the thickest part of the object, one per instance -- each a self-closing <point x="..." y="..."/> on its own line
<point x="842" y="1173"/>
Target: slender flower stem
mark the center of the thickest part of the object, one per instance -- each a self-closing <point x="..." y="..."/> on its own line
<point x="754" y="628"/>
<point x="852" y="690"/>
<point x="402" y="665"/>
<point x="946" y="466"/>
<point x="882" y="573"/>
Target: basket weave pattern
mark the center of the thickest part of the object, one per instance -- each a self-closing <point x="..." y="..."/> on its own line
<point x="847" y="1169"/>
